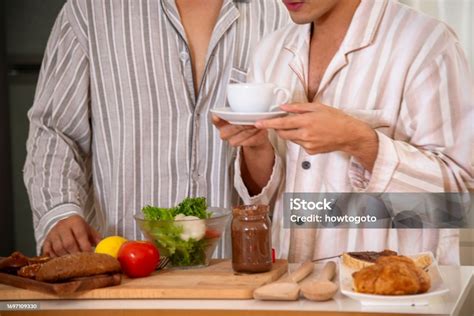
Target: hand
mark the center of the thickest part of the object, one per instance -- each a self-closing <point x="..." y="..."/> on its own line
<point x="319" y="128"/>
<point x="241" y="135"/>
<point x="257" y="152"/>
<point x="70" y="235"/>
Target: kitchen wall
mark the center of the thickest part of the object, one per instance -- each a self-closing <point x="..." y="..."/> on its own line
<point x="29" y="23"/>
<point x="6" y="216"/>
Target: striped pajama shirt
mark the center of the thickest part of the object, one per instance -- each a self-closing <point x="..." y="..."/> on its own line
<point x="405" y="74"/>
<point x="115" y="123"/>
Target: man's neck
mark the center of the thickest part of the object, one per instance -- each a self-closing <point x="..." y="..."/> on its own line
<point x="336" y="22"/>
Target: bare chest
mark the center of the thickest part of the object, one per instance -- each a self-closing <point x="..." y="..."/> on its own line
<point x="319" y="59"/>
<point x="198" y="18"/>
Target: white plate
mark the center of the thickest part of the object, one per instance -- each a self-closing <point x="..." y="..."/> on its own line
<point x="438" y="288"/>
<point x="238" y="118"/>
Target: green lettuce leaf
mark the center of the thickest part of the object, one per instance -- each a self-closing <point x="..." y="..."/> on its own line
<point x="153" y="213"/>
<point x="194" y="207"/>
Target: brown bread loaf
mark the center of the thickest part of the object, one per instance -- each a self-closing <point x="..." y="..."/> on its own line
<point x="77" y="265"/>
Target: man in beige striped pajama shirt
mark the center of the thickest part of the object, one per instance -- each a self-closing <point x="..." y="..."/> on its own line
<point x="382" y="101"/>
<point x="120" y="117"/>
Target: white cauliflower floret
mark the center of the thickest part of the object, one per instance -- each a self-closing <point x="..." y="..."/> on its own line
<point x="193" y="227"/>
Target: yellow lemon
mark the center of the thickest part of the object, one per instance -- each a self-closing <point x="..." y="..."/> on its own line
<point x="110" y="245"/>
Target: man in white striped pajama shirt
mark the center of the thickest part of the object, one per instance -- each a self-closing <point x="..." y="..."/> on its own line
<point x="120" y="117"/>
<point x="382" y="101"/>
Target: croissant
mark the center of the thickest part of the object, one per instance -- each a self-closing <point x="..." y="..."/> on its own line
<point x="392" y="275"/>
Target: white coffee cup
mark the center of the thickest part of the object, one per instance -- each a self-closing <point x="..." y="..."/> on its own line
<point x="256" y="97"/>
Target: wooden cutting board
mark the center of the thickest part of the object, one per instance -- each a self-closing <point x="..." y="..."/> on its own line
<point x="217" y="281"/>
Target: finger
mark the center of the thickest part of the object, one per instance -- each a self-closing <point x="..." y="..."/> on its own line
<point x="69" y="242"/>
<point x="218" y="122"/>
<point x="48" y="249"/>
<point x="57" y="245"/>
<point x="287" y="122"/>
<point x="229" y="131"/>
<point x="45" y="249"/>
<point x="300" y="107"/>
<point x="290" y="134"/>
<point x="242" y="136"/>
<point x="94" y="236"/>
<point x="82" y="237"/>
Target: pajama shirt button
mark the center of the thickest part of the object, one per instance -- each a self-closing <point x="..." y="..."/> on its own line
<point x="306" y="165"/>
<point x="184" y="56"/>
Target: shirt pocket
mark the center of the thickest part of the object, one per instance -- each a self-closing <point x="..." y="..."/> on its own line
<point x="238" y="75"/>
<point x="375" y="118"/>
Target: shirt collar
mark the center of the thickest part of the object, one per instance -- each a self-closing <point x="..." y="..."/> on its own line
<point x="364" y="25"/>
<point x="229" y="13"/>
<point x="361" y="33"/>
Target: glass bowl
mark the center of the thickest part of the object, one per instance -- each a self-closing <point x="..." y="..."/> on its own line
<point x="186" y="243"/>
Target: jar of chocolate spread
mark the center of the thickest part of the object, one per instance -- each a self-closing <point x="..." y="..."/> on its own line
<point x="251" y="239"/>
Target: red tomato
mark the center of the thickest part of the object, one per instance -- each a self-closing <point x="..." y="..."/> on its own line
<point x="210" y="233"/>
<point x="138" y="258"/>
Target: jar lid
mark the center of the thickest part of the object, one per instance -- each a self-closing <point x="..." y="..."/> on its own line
<point x="250" y="210"/>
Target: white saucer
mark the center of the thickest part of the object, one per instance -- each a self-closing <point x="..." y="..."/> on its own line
<point x="240" y="118"/>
